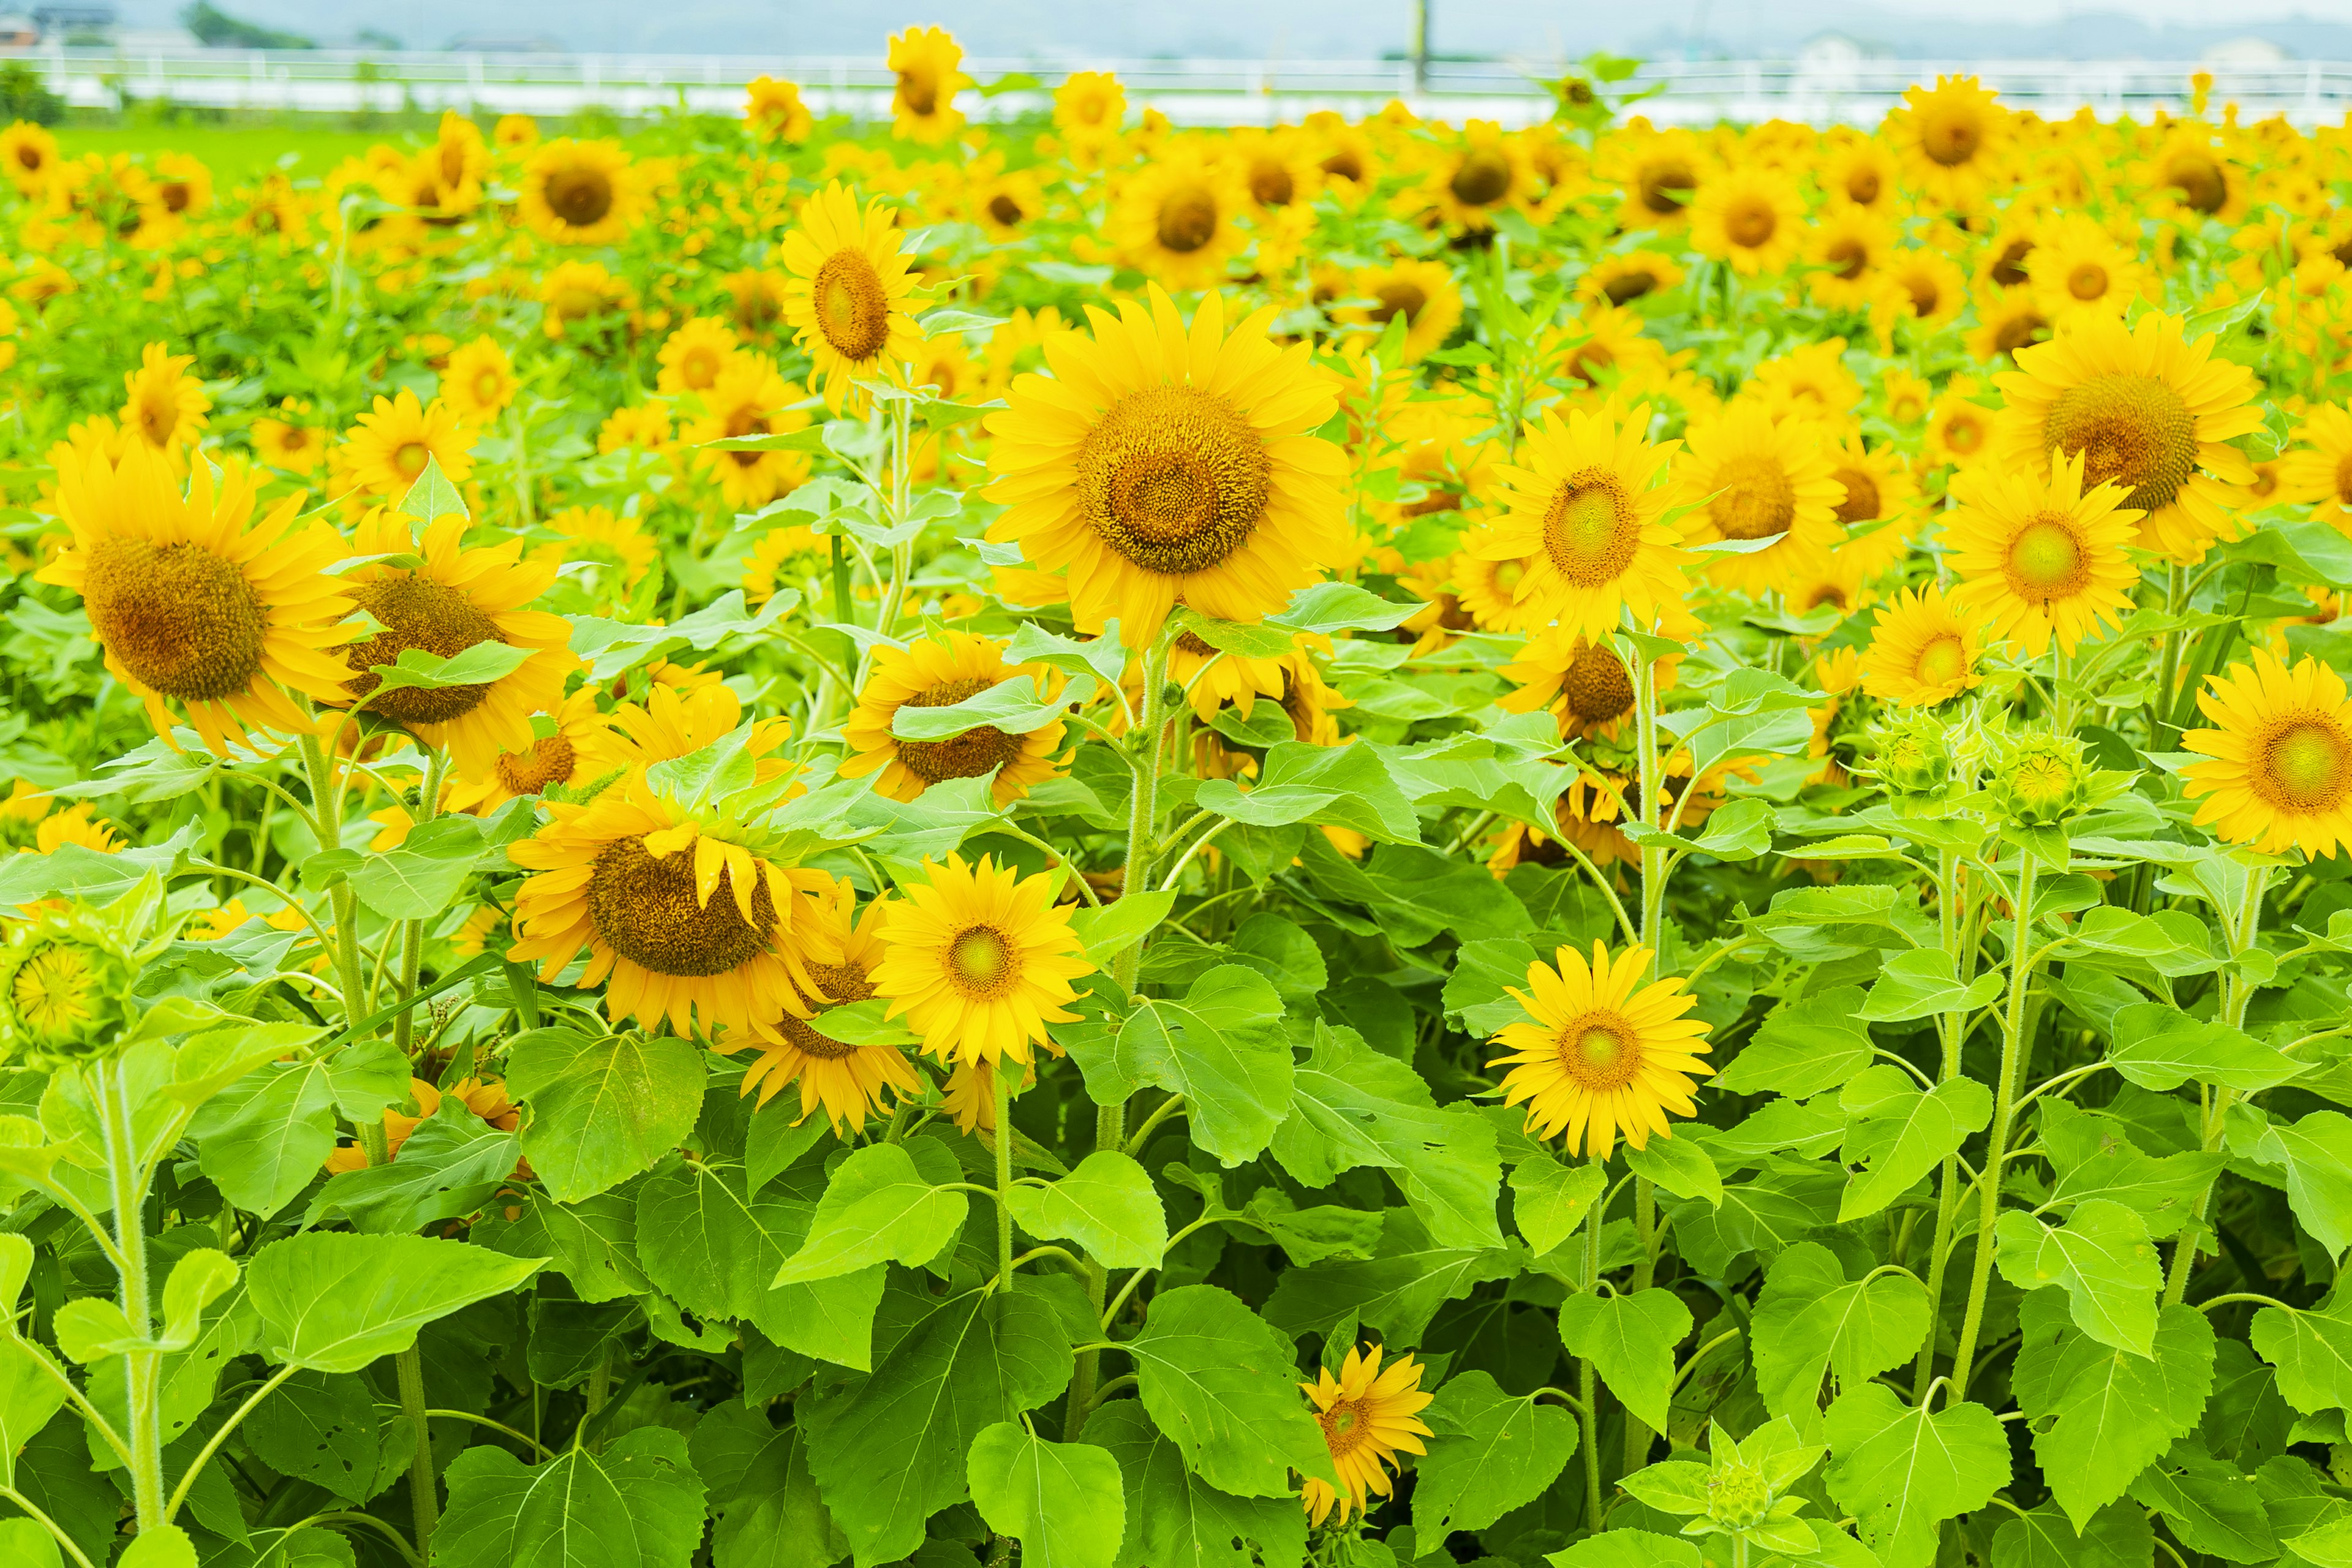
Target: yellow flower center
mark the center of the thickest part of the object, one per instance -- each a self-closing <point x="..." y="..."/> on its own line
<point x="408" y="459"/>
<point x="1188" y="219"/>
<point x="419" y="612"/>
<point x="2046" y="559"/>
<point x="580" y="195"/>
<point x="50" y="993"/>
<point x="1590" y="531"/>
<point x="2087" y="282"/>
<point x="1596" y="686"/>
<point x="853" y="309"/>
<point x="549" y="761"/>
<point x="488" y="385"/>
<point x="1599" y="1051"/>
<point x="965" y="756"/>
<point x="843" y="984"/>
<point x="1482" y="178"/>
<point x="1750" y="221"/>
<point x="645" y="910"/>
<point x="1173" y="479"/>
<point x="1964" y="433"/>
<point x="2303" y="764"/>
<point x="182" y="620"/>
<point x="1344" y="1428"/>
<point x="979" y="961"/>
<point x="1861" y="503"/>
<point x="1507" y="577"/>
<point x="1942" y="660"/>
<point x="1757" y="500"/>
<point x="2132" y="429"/>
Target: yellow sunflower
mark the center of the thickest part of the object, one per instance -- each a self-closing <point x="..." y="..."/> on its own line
<point x="750" y="398"/>
<point x="2146" y="408"/>
<point x="1850" y="249"/>
<point x="573" y="752"/>
<point x="1209" y="679"/>
<point x="1659" y="173"/>
<point x="596" y="533"/>
<point x="2317" y="470"/>
<point x="479" y="383"/>
<point x="1861" y="174"/>
<point x="773" y="110"/>
<point x="386" y="451"/>
<point x="692" y="356"/>
<point x="1950" y="137"/>
<point x="923" y="108"/>
<point x="29" y="155"/>
<point x="457" y="599"/>
<point x="2077" y="269"/>
<point x="1761" y="477"/>
<point x="1628" y="275"/>
<point x="2040" y="556"/>
<point x="195" y="603"/>
<point x="2007" y="324"/>
<point x="165" y="405"/>
<point x="848" y="1083"/>
<point x="1423" y="292"/>
<point x="1924" y="285"/>
<point x="1582" y="684"/>
<point x="1922" y="652"/>
<point x="1959" y="429"/>
<point x="848" y="294"/>
<point x="1166" y="461"/>
<point x="1089" y="107"/>
<point x="584" y="301"/>
<point x="1605" y="1054"/>
<point x="579" y="192"/>
<point x="940" y="671"/>
<point x="1878" y="509"/>
<point x="287" y="443"/>
<point x="679" y="719"/>
<point x="696" y="924"/>
<point x="1483" y="176"/>
<point x="2281" y="770"/>
<point x="1583" y="505"/>
<point x="980" y="960"/>
<point x="1368" y="1416"/>
<point x="1176" y="218"/>
<point x="1751" y="217"/>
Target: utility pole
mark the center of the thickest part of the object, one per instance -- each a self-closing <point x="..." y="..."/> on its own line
<point x="1420" y="45"/>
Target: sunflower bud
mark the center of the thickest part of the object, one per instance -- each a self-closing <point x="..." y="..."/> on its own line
<point x="1737" y="1496"/>
<point x="64" y="992"/>
<point x="1911" y="756"/>
<point x="2039" y="780"/>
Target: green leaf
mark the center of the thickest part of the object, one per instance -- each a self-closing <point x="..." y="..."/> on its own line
<point x="592" y="1243"/>
<point x="2101" y="1415"/>
<point x="1804" y="1048"/>
<point x="877" y="1208"/>
<point x="888" y="1450"/>
<point x="614" y="647"/>
<point x="2161" y="1048"/>
<point x="32" y="1389"/>
<point x="1221" y="1048"/>
<point x="2313" y="1353"/>
<point x="1063" y="1503"/>
<point x="764" y="1507"/>
<point x="1923" y="983"/>
<point x="2102" y="1258"/>
<point x="1901" y="1471"/>
<point x="1630" y="1338"/>
<point x="1900" y="1133"/>
<point x="638" y="1504"/>
<point x="1811" y="1319"/>
<point x="418" y="670"/>
<point x="159" y="1546"/>
<point x="1246" y="640"/>
<point x="2317" y="1151"/>
<point x="1548" y="1200"/>
<point x="1416" y="894"/>
<point x="197" y="1279"/>
<point x="2120" y="1537"/>
<point x="433" y="497"/>
<point x="150" y="774"/>
<point x="1013" y="706"/>
<point x="1678" y="1165"/>
<point x="1350" y="1107"/>
<point x="2207" y="1504"/>
<point x="1491" y="1453"/>
<point x="263" y="1139"/>
<point x="1396" y="1292"/>
<point x="1781" y="1204"/>
<point x="1627" y="1548"/>
<point x="1336" y="607"/>
<point x="601" y="1107"/>
<point x="1176" y="1520"/>
<point x="1107" y="932"/>
<point x="1105" y="657"/>
<point x="2163" y="1191"/>
<point x="449" y="1168"/>
<point x="1106" y="1206"/>
<point x="24" y="1544"/>
<point x="1345" y="786"/>
<point x="1220" y="1382"/>
<point x="336" y="1301"/>
<point x="321" y="1428"/>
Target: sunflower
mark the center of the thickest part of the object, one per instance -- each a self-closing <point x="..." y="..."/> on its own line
<point x="1950" y="137"/>
<point x="1368" y="1417"/>
<point x="1488" y="589"/>
<point x="2198" y="178"/>
<point x="386" y="451"/>
<point x="195" y="603"/>
<point x="515" y="133"/>
<point x="937" y="672"/>
<point x="772" y="111"/>
<point x="1754" y="477"/>
<point x="1608" y="348"/>
<point x="1811" y="379"/>
<point x="579" y="192"/>
<point x="692" y="356"/>
<point x="1423" y="292"/>
<point x="1877" y="511"/>
<point x="980" y="960"/>
<point x="77" y="825"/>
<point x="2281" y="770"/>
<point x="1659" y="173"/>
<point x="2040" y="556"/>
<point x="847" y="1081"/>
<point x="1584" y="503"/>
<point x="595" y="533"/>
<point x="2317" y="470"/>
<point x="1605" y="1054"/>
<point x="288" y="444"/>
<point x="645" y="427"/>
<point x="2079" y="270"/>
<point x="573" y="751"/>
<point x="1582" y="684"/>
<point x="479" y="383"/>
<point x="583" y="299"/>
<point x="1850" y="249"/>
<point x="1861" y="174"/>
<point x="457" y="599"/>
<point x="2146" y="409"/>
<point x="28" y="155"/>
<point x="1006" y="204"/>
<point x="1959" y="429"/>
<point x="1176" y="218"/>
<point x="766" y="569"/>
<point x="696" y="923"/>
<point x="2007" y="323"/>
<point x="1485" y="174"/>
<point x="923" y="108"/>
<point x="165" y="405"/>
<point x="1750" y="217"/>
<point x="1169" y="462"/>
<point x="750" y="398"/>
<point x="1628" y="275"/>
<point x="848" y="292"/>
<point x="1922" y="652"/>
<point x="679" y="719"/>
<point x="1089" y="107"/>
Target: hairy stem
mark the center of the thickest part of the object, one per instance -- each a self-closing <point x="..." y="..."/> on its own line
<point x="2242" y="932"/>
<point x="2012" y="1049"/>
<point x="1949" y="1025"/>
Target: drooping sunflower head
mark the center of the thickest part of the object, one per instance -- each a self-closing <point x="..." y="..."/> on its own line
<point x="979" y="960"/>
<point x="850" y="282"/>
<point x="1368" y="1417"/>
<point x="165" y="406"/>
<point x="1584" y="503"/>
<point x="2281" y="773"/>
<point x="580" y="193"/>
<point x="1604" y="1054"/>
<point x="941" y="671"/>
<point x="925" y="62"/>
<point x="848" y="1082"/>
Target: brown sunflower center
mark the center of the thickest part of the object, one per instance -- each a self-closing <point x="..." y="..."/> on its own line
<point x="1173" y="479"/>
<point x="2088" y="280"/>
<point x="645" y="910"/>
<point x="844" y="984"/>
<point x="1482" y="178"/>
<point x="1847" y="257"/>
<point x="181" y="619"/>
<point x="1627" y="286"/>
<point x="1188" y="219"/>
<point x="1861" y="185"/>
<point x="1941" y="661"/>
<point x="1344" y="165"/>
<point x="2343" y="480"/>
<point x="964" y="756"/>
<point x="1590" y="530"/>
<point x="1750" y="221"/>
<point x="853" y="309"/>
<point x="2202" y="185"/>
<point x="1399" y="297"/>
<point x="1861" y="503"/>
<point x="1004" y="209"/>
<point x="1344" y="1428"/>
<point x="981" y="964"/>
<point x="1924" y="294"/>
<point x="1587" y="361"/>
<point x="580" y="195"/>
<point x="1596" y="686"/>
<point x="2304" y="764"/>
<point x="1599" y="1051"/>
<point x="28" y="157"/>
<point x="2024" y="327"/>
<point x="2046" y="559"/>
<point x="2009" y="266"/>
<point x="417" y="612"/>
<point x="549" y="761"/>
<point x="1758" y="500"/>
<point x="919" y="90"/>
<point x="1270" y="184"/>
<point x="1666" y="186"/>
<point x="2132" y="429"/>
<point x="1952" y="137"/>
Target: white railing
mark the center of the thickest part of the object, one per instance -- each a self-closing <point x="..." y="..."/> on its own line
<point x="1198" y="92"/>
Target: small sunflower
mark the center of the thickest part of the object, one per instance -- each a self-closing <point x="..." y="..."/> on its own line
<point x="480" y="382"/>
<point x="387" y="450"/>
<point x="1582" y="684"/>
<point x="693" y="356"/>
<point x="28" y="156"/>
<point x="2008" y="324"/>
<point x="596" y="533"/>
<point x="1751" y="217"/>
<point x="1861" y="174"/>
<point x="1486" y="173"/>
<point x="1924" y="285"/>
<point x="573" y="751"/>
<point x="848" y="292"/>
<point x="1423" y="292"/>
<point x="1211" y="679"/>
<point x="1761" y="477"/>
<point x="289" y="444"/>
<point x="1628" y="275"/>
<point x="579" y="192"/>
<point x="1959" y="429"/>
<point x="2077" y="269"/>
<point x="2317" y="470"/>
<point x="1089" y="107"/>
<point x="1605" y="1055"/>
<point x="848" y="1083"/>
<point x="1660" y="175"/>
<point x="1922" y="652"/>
<point x="925" y="62"/>
<point x="165" y="406"/>
<point x="1368" y="1416"/>
<point x="2040" y="557"/>
<point x="197" y="606"/>
<point x="750" y="398"/>
<point x="980" y="960"/>
<point x="2281" y="775"/>
<point x="1176" y="218"/>
<point x="772" y="111"/>
<point x="1169" y="462"/>
<point x="1950" y="137"/>
<point x="1878" y="510"/>
<point x="937" y="672"/>
<point x="1850" y="249"/>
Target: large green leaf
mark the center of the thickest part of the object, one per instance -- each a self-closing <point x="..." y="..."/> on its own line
<point x="2102" y="1258"/>
<point x="1176" y="1520"/>
<point x="1923" y="983"/>
<point x="638" y="1504"/>
<point x="1063" y="1503"/>
<point x="1397" y="1291"/>
<point x="877" y="1208"/>
<point x="593" y="1242"/>
<point x="1811" y="1319"/>
<point x="1550" y="1200"/>
<point x="447" y="1168"/>
<point x="1344" y="786"/>
<point x="2161" y="1048"/>
<point x="263" y="1139"/>
<point x="1491" y="1453"/>
<point x="1106" y="1206"/>
<point x="1221" y="1048"/>
<point x="2312" y="1350"/>
<point x="2315" y="1150"/>
<point x="2100" y="1413"/>
<point x="1221" y="1382"/>
<point x="764" y="1507"/>
<point x="336" y="1301"/>
<point x="1629" y="1339"/>
<point x="1902" y="1471"/>
<point x="2207" y="1504"/>
<point x="601" y="1107"/>
<point x="2120" y="1537"/>
<point x="1804" y="1048"/>
<point x="321" y="1427"/>
<point x="1901" y="1133"/>
<point x="32" y="1389"/>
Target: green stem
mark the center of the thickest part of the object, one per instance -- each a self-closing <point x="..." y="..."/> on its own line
<point x="1589" y="1279"/>
<point x="1951" y="1027"/>
<point x="144" y="1369"/>
<point x="424" y="1500"/>
<point x="2243" y="931"/>
<point x="412" y="932"/>
<point x="2012" y="1049"/>
<point x="204" y="1456"/>
<point x="66" y="1544"/>
<point x="1002" y="1075"/>
<point x="1653" y="898"/>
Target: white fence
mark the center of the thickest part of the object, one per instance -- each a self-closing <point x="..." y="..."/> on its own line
<point x="1197" y="92"/>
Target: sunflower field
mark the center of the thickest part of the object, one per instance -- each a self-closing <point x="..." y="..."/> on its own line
<point x="1070" y="843"/>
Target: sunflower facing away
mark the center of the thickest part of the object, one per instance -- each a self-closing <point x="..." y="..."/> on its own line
<point x="980" y="960"/>
<point x="1368" y="1416"/>
<point x="923" y="108"/>
<point x="848" y="293"/>
<point x="938" y="672"/>
<point x="2281" y="775"/>
<point x="1165" y="462"/>
<point x="1605" y="1054"/>
<point x="164" y="406"/>
<point x="1922" y="652"/>
<point x="579" y="192"/>
<point x="1761" y="478"/>
<point x="2040" y="557"/>
<point x="197" y="604"/>
<point x="847" y="1081"/>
